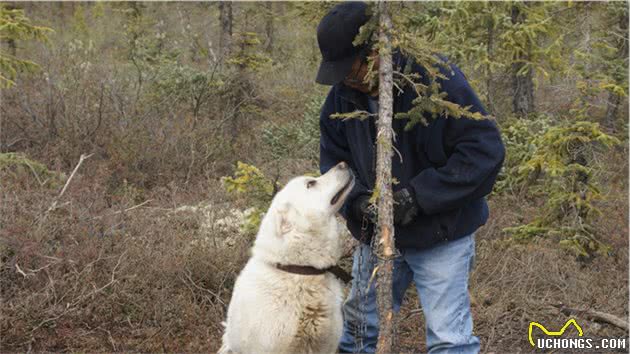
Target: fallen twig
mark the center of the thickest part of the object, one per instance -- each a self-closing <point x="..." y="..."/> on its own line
<point x="35" y="174"/>
<point x="192" y="282"/>
<point x="595" y="315"/>
<point x="411" y="313"/>
<point x="70" y="307"/>
<point x="31" y="271"/>
<point x="65" y="186"/>
<point x="53" y="206"/>
<point x="125" y="210"/>
<point x="20" y="271"/>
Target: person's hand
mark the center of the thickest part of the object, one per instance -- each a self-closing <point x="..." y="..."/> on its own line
<point x="361" y="207"/>
<point x="406" y="207"/>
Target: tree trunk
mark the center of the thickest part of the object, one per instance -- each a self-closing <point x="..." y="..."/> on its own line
<point x="612" y="109"/>
<point x="191" y="37"/>
<point x="385" y="244"/>
<point x="135" y="7"/>
<point x="269" y="27"/>
<point x="489" y="50"/>
<point x="614" y="100"/>
<point x="225" y="17"/>
<point x="11" y="41"/>
<point x="522" y="84"/>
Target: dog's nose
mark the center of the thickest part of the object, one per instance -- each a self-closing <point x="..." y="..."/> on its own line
<point x="342" y="165"/>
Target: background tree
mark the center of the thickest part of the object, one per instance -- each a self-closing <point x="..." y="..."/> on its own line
<point x="15" y="27"/>
<point x="509" y="42"/>
<point x="226" y="19"/>
<point x="522" y="76"/>
<point x="616" y="62"/>
<point x="269" y="27"/>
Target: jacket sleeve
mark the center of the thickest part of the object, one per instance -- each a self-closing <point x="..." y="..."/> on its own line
<point x="477" y="154"/>
<point x="333" y="148"/>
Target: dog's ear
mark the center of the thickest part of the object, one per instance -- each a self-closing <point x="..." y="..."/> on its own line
<point x="283" y="223"/>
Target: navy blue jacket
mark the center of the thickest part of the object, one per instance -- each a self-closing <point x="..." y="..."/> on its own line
<point x="450" y="165"/>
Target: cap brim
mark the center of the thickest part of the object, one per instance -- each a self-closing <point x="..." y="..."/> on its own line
<point x="333" y="72"/>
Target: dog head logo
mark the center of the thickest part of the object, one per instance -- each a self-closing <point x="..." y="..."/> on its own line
<point x="570" y="322"/>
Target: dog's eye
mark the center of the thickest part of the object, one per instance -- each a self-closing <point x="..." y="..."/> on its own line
<point x="310" y="183"/>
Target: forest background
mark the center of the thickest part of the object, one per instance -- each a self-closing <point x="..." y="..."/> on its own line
<point x="140" y="144"/>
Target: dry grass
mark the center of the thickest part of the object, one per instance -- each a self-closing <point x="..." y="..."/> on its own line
<point x="88" y="277"/>
<point x="108" y="272"/>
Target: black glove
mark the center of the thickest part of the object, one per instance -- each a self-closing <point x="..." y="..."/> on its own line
<point x="406" y="207"/>
<point x="362" y="207"/>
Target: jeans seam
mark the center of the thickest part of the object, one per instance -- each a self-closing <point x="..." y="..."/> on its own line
<point x="462" y="301"/>
<point x="461" y="317"/>
<point x="471" y="253"/>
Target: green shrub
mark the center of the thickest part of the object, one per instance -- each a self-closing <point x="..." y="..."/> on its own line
<point x="257" y="190"/>
<point x="17" y="167"/>
<point x="15" y="26"/>
<point x="562" y="164"/>
<point x="520" y="139"/>
<point x="298" y="138"/>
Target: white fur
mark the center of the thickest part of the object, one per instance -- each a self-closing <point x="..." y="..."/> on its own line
<point x="273" y="311"/>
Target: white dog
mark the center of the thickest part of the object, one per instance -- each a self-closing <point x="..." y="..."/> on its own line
<point x="286" y="300"/>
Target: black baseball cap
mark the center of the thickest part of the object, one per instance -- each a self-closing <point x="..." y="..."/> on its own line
<point x="335" y="34"/>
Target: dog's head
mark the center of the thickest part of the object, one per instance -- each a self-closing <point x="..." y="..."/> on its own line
<point x="300" y="225"/>
<point x="315" y="197"/>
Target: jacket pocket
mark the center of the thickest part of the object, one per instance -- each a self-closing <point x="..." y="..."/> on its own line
<point x="445" y="224"/>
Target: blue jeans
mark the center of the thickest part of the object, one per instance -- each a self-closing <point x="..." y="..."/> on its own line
<point x="441" y="278"/>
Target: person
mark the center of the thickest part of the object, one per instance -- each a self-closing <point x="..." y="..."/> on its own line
<point x="443" y="172"/>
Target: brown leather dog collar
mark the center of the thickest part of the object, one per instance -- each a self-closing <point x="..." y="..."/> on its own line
<point x="309" y="270"/>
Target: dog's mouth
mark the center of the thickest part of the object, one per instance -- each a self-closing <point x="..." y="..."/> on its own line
<point x="346" y="187"/>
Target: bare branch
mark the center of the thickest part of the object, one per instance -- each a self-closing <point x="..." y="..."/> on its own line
<point x="125" y="210"/>
<point x="192" y="282"/>
<point x="70" y="307"/>
<point x="595" y="315"/>
<point x="81" y="159"/>
<point x="35" y="173"/>
<point x="20" y="271"/>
